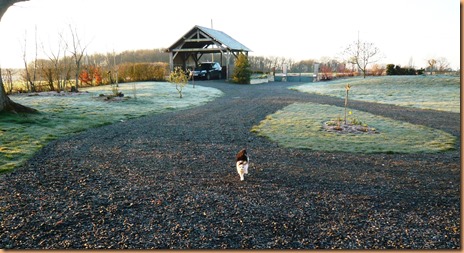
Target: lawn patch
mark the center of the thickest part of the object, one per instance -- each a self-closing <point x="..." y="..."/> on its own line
<point x="22" y="135"/>
<point x="301" y="125"/>
<point x="425" y="92"/>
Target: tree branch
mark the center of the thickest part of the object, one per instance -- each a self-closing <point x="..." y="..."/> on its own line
<point x="5" y="4"/>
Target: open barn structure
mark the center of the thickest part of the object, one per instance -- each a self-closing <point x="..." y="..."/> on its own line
<point x="198" y="42"/>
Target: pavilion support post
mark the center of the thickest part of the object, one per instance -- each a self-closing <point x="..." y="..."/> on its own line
<point x="195" y="59"/>
<point x="184" y="60"/>
<point x="227" y="65"/>
<point x="222" y="62"/>
<point x="171" y="61"/>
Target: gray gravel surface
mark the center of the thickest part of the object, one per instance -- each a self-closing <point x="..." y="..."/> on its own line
<point x="169" y="181"/>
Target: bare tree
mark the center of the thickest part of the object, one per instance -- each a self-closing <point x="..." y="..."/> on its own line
<point x="442" y="64"/>
<point x="65" y="66"/>
<point x="431" y="63"/>
<point x="9" y="81"/>
<point x="6" y="104"/>
<point x="361" y="54"/>
<point x="411" y="62"/>
<point x="377" y="69"/>
<point x="112" y="67"/>
<point x="54" y="57"/>
<point x="5" y="4"/>
<point x="77" y="52"/>
<point x="30" y="75"/>
<point x="47" y="72"/>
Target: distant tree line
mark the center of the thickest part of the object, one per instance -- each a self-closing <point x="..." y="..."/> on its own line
<point x="60" y="69"/>
<point x="57" y="73"/>
<point x="328" y="68"/>
<point x="438" y="65"/>
<point x="263" y="64"/>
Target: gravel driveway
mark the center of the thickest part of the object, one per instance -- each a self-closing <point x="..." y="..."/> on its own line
<point x="169" y="181"/>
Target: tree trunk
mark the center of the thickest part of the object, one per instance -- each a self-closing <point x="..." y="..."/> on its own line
<point x="6" y="105"/>
<point x="5" y="102"/>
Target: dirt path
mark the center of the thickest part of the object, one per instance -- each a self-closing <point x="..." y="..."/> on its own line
<point x="168" y="181"/>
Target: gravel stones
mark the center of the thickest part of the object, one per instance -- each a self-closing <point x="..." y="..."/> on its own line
<point x="168" y="181"/>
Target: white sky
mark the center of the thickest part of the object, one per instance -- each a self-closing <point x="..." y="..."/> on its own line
<point x="403" y="30"/>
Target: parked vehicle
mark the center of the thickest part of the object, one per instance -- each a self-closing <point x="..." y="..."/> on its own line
<point x="208" y="71"/>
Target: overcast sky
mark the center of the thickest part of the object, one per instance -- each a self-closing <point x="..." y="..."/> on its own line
<point x="404" y="30"/>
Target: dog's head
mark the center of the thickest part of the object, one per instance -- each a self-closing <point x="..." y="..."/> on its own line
<point x="241" y="164"/>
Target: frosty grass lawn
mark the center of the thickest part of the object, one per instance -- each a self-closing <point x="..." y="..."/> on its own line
<point x="22" y="135"/>
<point x="426" y="92"/>
<point x="300" y="125"/>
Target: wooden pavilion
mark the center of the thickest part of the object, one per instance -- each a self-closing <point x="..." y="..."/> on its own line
<point x="188" y="50"/>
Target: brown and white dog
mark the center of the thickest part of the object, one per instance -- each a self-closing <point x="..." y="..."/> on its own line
<point x="242" y="163"/>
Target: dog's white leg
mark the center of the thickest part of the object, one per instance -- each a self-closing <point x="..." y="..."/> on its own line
<point x="240" y="171"/>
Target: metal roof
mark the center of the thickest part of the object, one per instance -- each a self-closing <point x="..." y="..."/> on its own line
<point x="224" y="39"/>
<point x="218" y="36"/>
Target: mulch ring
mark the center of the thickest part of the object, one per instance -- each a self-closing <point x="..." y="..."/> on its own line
<point x="342" y="128"/>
